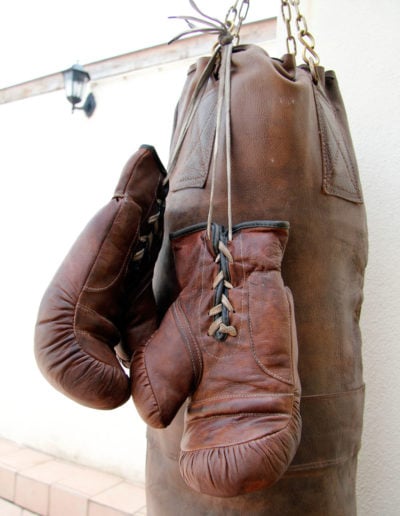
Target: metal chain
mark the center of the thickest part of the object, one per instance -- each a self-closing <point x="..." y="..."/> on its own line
<point x="287" y="18"/>
<point x="310" y="56"/>
<point x="232" y="13"/>
<point x="305" y="36"/>
<point x="236" y="15"/>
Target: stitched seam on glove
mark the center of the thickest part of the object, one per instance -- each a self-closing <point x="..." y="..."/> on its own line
<point x="240" y="413"/>
<point x="261" y="365"/>
<point x="143" y="218"/>
<point x="196" y="370"/>
<point x="252" y="440"/>
<point x="127" y="257"/>
<point x="291" y="316"/>
<point x="76" y="330"/>
<point x="91" y="311"/>
<point x="234" y="396"/>
<point x="160" y="414"/>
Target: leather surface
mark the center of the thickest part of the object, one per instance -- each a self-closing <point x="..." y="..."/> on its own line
<point x="82" y="311"/>
<point x="293" y="160"/>
<point x="242" y="424"/>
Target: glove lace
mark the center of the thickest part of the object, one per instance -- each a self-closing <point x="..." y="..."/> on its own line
<point x="220" y="328"/>
<point x="146" y="240"/>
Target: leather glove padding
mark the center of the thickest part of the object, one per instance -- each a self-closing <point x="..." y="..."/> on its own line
<point x="84" y="306"/>
<point x="229" y="342"/>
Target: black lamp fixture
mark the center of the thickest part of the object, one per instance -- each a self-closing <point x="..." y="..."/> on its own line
<point x="75" y="80"/>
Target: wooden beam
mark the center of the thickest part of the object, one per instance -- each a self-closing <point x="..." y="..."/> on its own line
<point x="192" y="47"/>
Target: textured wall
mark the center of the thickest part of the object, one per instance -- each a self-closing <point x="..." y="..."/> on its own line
<point x="57" y="169"/>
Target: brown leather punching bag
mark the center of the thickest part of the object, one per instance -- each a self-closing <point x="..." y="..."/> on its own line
<point x="292" y="159"/>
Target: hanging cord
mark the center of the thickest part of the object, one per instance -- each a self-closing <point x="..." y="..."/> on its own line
<point x="234" y="19"/>
<point x="227" y="32"/>
<point x="224" y="93"/>
<point x="221" y="328"/>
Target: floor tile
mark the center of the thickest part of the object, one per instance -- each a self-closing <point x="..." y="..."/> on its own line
<point x="66" y="502"/>
<point x="24" y="458"/>
<point x="89" y="481"/>
<point x="7" y="447"/>
<point x="32" y="495"/>
<point x="96" y="509"/>
<point x="52" y="471"/>
<point x="124" y="497"/>
<point x="7" y="482"/>
<point x="9" y="509"/>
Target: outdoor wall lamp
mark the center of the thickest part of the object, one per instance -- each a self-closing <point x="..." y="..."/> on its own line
<point x="75" y="80"/>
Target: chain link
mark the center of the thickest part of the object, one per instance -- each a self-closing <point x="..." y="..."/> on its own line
<point x="232" y="13"/>
<point x="291" y="44"/>
<point x="296" y="5"/>
<point x="304" y="36"/>
<point x="236" y="15"/>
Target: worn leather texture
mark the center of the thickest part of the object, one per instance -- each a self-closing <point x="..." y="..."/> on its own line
<point x="242" y="423"/>
<point x="101" y="296"/>
<point x="292" y="159"/>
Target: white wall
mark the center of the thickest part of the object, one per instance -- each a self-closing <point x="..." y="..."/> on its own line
<point x="57" y="169"/>
<point x="59" y="33"/>
<point x="360" y="40"/>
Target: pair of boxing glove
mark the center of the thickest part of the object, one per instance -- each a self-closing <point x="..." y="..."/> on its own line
<point x="227" y="344"/>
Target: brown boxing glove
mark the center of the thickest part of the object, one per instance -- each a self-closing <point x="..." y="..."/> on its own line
<point x="229" y="342"/>
<point x="103" y="285"/>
